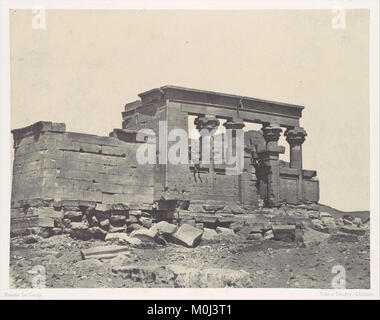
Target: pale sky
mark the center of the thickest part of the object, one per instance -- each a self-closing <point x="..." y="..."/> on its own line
<point x="85" y="65"/>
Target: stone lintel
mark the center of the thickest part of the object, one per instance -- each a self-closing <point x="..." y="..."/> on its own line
<point x="210" y="98"/>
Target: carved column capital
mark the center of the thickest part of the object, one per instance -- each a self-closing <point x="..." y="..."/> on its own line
<point x="208" y="122"/>
<point x="295" y="136"/>
<point x="234" y="124"/>
<point x="271" y="133"/>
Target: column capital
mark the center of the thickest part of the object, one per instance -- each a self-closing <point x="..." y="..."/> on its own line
<point x="208" y="122"/>
<point x="234" y="124"/>
<point x="295" y="136"/>
<point x="271" y="133"/>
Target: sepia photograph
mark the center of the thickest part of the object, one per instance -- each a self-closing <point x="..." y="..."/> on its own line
<point x="220" y="146"/>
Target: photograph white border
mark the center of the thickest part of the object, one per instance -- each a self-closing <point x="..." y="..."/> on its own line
<point x="186" y="294"/>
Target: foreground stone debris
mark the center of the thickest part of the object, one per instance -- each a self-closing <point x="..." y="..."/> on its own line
<point x="183" y="277"/>
<point x="269" y="262"/>
<point x="123" y="237"/>
<point x="177" y="225"/>
<point x="284" y="232"/>
<point x="188" y="235"/>
<point x="103" y="252"/>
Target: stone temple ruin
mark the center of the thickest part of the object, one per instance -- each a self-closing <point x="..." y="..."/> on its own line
<point x="90" y="185"/>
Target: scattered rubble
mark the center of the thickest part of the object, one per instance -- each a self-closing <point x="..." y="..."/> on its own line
<point x="103" y="252"/>
<point x="191" y="249"/>
<point x="182" y="277"/>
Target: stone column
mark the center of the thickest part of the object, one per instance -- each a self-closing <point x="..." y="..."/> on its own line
<point x="296" y="137"/>
<point x="208" y="122"/>
<point x="236" y="124"/>
<point x="270" y="157"/>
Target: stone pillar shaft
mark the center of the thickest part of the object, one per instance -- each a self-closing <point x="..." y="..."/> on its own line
<point x="208" y="122"/>
<point x="270" y="157"/>
<point x="296" y="137"/>
<point x="236" y="124"/>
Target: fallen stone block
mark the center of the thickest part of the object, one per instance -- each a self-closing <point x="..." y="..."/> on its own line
<point x="352" y="230"/>
<point x="46" y="216"/>
<point x="103" y="252"/>
<point x="144" y="234"/>
<point x="224" y="231"/>
<point x="134" y="226"/>
<point x="136" y="213"/>
<point x="328" y="221"/>
<point x="117" y="220"/>
<point x="208" y="234"/>
<point x="98" y="233"/>
<point x="124" y="238"/>
<point x="312" y="237"/>
<point x="80" y="230"/>
<point x="284" y="232"/>
<point x="74" y="216"/>
<point x="188" y="235"/>
<point x="164" y="227"/>
<point x="146" y="222"/>
<point x="318" y="225"/>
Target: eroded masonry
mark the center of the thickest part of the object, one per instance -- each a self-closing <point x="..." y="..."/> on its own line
<point x="60" y="177"/>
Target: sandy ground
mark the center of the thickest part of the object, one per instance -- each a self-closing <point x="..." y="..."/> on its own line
<point x="270" y="263"/>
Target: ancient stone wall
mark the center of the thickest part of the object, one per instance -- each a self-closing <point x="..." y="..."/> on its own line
<point x="52" y="166"/>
